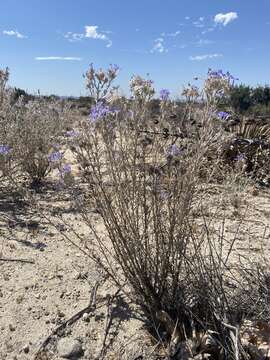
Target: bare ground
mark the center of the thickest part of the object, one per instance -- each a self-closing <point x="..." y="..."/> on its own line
<point x="37" y="297"/>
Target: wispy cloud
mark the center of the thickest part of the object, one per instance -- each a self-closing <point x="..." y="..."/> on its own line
<point x="199" y="23"/>
<point x="225" y="19"/>
<point x="61" y="58"/>
<point x="15" y="33"/>
<point x="174" y="34"/>
<point x="91" y="32"/>
<point x="74" y="36"/>
<point x="207" y="30"/>
<point x="159" y="46"/>
<point x="204" y="57"/>
<point x="204" y="42"/>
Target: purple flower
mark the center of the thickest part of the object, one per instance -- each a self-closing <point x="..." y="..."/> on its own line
<point x="99" y="111"/>
<point x="56" y="146"/>
<point x="130" y="114"/>
<point x="216" y="74"/>
<point x="66" y="169"/>
<point x="4" y="149"/>
<point x="223" y="115"/>
<point x="240" y="157"/>
<point x="164" y="195"/>
<point x="114" y="110"/>
<point x="173" y="150"/>
<point x="164" y="94"/>
<point x="72" y="133"/>
<point x="114" y="67"/>
<point x="219" y="74"/>
<point x="55" y="156"/>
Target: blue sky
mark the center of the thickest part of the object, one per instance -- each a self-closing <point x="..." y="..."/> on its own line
<point x="48" y="45"/>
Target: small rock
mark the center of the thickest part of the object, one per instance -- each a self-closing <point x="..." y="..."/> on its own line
<point x="19" y="299"/>
<point x="69" y="349"/>
<point x="61" y="314"/>
<point x="86" y="317"/>
<point x="26" y="349"/>
<point x="12" y="327"/>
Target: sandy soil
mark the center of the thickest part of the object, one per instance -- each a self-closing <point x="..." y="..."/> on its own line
<point x="37" y="297"/>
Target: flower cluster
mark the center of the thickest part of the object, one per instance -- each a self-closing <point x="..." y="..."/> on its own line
<point x="223" y="115"/>
<point x="164" y="94"/>
<point x="141" y="88"/>
<point x="4" y="149"/>
<point x="219" y="74"/>
<point x="191" y="92"/>
<point x="66" y="169"/>
<point x="72" y="133"/>
<point x="173" y="150"/>
<point x="98" y="82"/>
<point x="55" y="156"/>
<point x="240" y="157"/>
<point x="218" y="84"/>
<point x="99" y="111"/>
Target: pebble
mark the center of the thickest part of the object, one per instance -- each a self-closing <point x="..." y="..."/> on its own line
<point x="86" y="317"/>
<point x="61" y="314"/>
<point x="69" y="349"/>
<point x="12" y="327"/>
<point x="26" y="349"/>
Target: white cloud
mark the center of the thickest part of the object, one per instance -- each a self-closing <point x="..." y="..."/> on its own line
<point x="73" y="36"/>
<point x="159" y="46"/>
<point x="14" y="33"/>
<point x="174" y="34"/>
<point x="203" y="42"/>
<point x="187" y="18"/>
<point x="182" y="46"/>
<point x="204" y="57"/>
<point x="207" y="31"/>
<point x="91" y="32"/>
<point x="225" y="19"/>
<point x="65" y="58"/>
<point x="198" y="24"/>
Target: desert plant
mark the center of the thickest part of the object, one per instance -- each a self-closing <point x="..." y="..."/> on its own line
<point x="147" y="190"/>
<point x="30" y="133"/>
<point x="37" y="134"/>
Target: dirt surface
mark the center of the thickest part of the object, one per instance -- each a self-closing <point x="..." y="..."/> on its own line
<point x="37" y="297"/>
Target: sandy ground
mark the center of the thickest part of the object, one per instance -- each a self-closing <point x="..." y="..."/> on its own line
<point x="37" y="297"/>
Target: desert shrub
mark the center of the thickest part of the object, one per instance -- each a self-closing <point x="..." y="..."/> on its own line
<point x="260" y="110"/>
<point x="145" y="182"/>
<point x="261" y="95"/>
<point x="37" y="135"/>
<point x="241" y="98"/>
<point x="250" y="149"/>
<point x="32" y="131"/>
<point x="7" y="117"/>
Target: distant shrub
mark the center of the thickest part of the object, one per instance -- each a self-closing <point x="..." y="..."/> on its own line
<point x="32" y="131"/>
<point x="254" y="100"/>
<point x="241" y="98"/>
